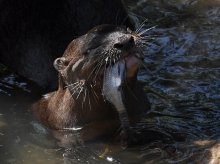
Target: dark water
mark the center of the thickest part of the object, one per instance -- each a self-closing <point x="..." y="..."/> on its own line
<point x="182" y="78"/>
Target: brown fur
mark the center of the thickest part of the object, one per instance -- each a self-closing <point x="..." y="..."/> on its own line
<point x="59" y="110"/>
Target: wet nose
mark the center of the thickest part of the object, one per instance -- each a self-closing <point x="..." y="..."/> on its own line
<point x="124" y="42"/>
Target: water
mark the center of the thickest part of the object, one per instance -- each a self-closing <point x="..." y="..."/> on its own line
<point x="182" y="82"/>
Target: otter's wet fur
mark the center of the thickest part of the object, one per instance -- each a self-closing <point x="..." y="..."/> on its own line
<point x="79" y="100"/>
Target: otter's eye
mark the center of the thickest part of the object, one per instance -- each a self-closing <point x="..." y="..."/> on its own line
<point x="88" y="51"/>
<point x="91" y="48"/>
<point x="129" y="30"/>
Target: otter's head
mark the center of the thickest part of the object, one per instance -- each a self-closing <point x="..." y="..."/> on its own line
<point x="87" y="57"/>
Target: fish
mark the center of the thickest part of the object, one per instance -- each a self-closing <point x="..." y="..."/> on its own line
<point x="112" y="90"/>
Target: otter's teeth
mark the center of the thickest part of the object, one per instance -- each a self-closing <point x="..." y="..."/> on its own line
<point x="106" y="60"/>
<point x="137" y="55"/>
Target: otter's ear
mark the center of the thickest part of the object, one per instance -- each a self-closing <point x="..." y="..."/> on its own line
<point x="60" y="64"/>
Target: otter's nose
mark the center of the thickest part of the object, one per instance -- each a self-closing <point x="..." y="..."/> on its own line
<point x="124" y="42"/>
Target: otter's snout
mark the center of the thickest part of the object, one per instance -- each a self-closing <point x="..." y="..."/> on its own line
<point x="125" y="42"/>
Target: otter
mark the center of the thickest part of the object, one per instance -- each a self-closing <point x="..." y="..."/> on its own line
<point x="81" y="101"/>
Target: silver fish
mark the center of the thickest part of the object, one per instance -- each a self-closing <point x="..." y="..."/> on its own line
<point x="113" y="78"/>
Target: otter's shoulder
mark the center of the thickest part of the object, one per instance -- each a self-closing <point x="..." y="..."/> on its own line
<point x="41" y="107"/>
